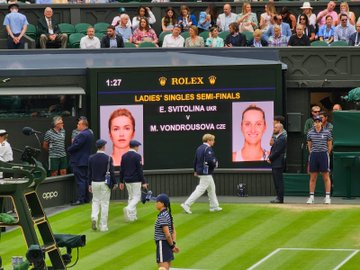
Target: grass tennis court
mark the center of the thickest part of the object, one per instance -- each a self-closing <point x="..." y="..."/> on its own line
<point x="243" y="236"/>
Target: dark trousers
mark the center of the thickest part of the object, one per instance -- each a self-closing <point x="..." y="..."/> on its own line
<point x="12" y="45"/>
<point x="278" y="178"/>
<point x="82" y="184"/>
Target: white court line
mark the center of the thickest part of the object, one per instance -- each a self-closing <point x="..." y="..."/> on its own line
<point x="354" y="252"/>
<point x="264" y="259"/>
<point x="346" y="260"/>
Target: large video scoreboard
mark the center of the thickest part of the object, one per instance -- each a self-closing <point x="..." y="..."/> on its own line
<point x="173" y="107"/>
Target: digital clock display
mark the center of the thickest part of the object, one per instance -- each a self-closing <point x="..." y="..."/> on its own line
<point x="113" y="82"/>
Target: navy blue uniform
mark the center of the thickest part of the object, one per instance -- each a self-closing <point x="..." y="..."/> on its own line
<point x="204" y="153"/>
<point x="164" y="252"/>
<point x="131" y="168"/>
<point x="98" y="164"/>
<point x="319" y="160"/>
<point x="277" y="158"/>
<point x="80" y="151"/>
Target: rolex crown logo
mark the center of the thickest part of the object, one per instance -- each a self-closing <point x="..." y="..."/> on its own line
<point x="162" y="81"/>
<point x="212" y="79"/>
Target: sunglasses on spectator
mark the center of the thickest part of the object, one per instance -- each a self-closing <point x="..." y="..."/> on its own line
<point x="316" y="111"/>
<point x="344" y="20"/>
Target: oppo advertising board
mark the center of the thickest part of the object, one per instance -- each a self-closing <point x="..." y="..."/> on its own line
<point x="174" y="107"/>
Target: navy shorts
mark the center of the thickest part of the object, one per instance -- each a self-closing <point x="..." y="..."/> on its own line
<point x="319" y="162"/>
<point x="163" y="252"/>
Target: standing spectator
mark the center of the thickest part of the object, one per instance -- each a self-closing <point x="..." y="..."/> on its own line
<point x="16" y="26"/>
<point x="49" y="31"/>
<point x="257" y="40"/>
<point x="144" y="33"/>
<point x="235" y="39"/>
<point x="214" y="40"/>
<point x="116" y="21"/>
<point x="329" y="11"/>
<point x="247" y="20"/>
<point x="285" y="28"/>
<point x="90" y="41"/>
<point x="277" y="161"/>
<point x="143" y="12"/>
<point x="168" y="22"/>
<point x="278" y="119"/>
<point x="319" y="146"/>
<point x="307" y="10"/>
<point x="204" y="164"/>
<point x="327" y="31"/>
<point x="299" y="39"/>
<point x="123" y="29"/>
<point x="337" y="107"/>
<point x="324" y="120"/>
<point x="6" y="153"/>
<point x="225" y="19"/>
<point x="174" y="40"/>
<point x="100" y="166"/>
<point x="277" y="39"/>
<point x="111" y="40"/>
<point x="309" y="123"/>
<point x="354" y="39"/>
<point x="309" y="30"/>
<point x="207" y="18"/>
<point x="267" y="16"/>
<point x="344" y="9"/>
<point x="80" y="151"/>
<point x="194" y="40"/>
<point x="165" y="233"/>
<point x="288" y="18"/>
<point x="344" y="30"/>
<point x="54" y="143"/>
<point x="186" y="19"/>
<point x="131" y="173"/>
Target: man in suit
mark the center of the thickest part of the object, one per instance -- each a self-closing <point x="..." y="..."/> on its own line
<point x="49" y="32"/>
<point x="277" y="161"/>
<point x="80" y="151"/>
<point x="111" y="39"/>
<point x="131" y="173"/>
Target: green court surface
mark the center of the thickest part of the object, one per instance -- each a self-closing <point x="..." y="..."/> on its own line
<point x="242" y="236"/>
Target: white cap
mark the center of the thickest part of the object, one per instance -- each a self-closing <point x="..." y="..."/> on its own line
<point x="306" y="5"/>
<point x="3" y="132"/>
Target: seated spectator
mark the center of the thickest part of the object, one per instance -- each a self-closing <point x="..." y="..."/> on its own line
<point x="344" y="30"/>
<point x="143" y="12"/>
<point x="116" y="20"/>
<point x="194" y="40"/>
<point x="111" y="40"/>
<point x="285" y="28"/>
<point x="160" y="1"/>
<point x="174" y="40"/>
<point x="247" y="20"/>
<point x="214" y="40"/>
<point x="16" y="25"/>
<point x="307" y="10"/>
<point x="267" y="16"/>
<point x="257" y="41"/>
<point x="308" y="28"/>
<point x="344" y="9"/>
<point x="123" y="29"/>
<point x="224" y="19"/>
<point x="299" y="38"/>
<point x="207" y="18"/>
<point x="186" y="19"/>
<point x="144" y="33"/>
<point x="327" y="31"/>
<point x="90" y="41"/>
<point x="288" y="18"/>
<point x="49" y="31"/>
<point x="277" y="40"/>
<point x="44" y="2"/>
<point x="235" y="39"/>
<point x="354" y="39"/>
<point x="329" y="11"/>
<point x="169" y="20"/>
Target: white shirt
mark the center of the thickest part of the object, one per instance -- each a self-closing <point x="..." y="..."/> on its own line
<point x="89" y="43"/>
<point x="171" y="42"/>
<point x="6" y="153"/>
<point x="224" y="21"/>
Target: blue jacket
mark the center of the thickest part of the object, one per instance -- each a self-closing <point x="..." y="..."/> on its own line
<point x="131" y="168"/>
<point x="80" y="149"/>
<point x="285" y="31"/>
<point x="97" y="169"/>
<point x="204" y="153"/>
<point x="277" y="152"/>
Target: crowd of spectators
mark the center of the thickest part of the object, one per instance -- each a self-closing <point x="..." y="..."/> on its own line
<point x="227" y="29"/>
